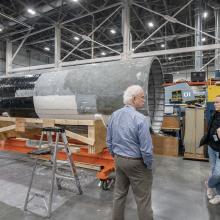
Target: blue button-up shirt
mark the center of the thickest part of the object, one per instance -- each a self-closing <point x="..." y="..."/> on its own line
<point x="128" y="135"/>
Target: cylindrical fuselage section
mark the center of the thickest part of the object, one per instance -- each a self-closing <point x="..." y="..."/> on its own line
<point x="85" y="90"/>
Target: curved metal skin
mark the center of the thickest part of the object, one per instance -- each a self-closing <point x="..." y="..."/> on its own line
<point x="16" y="96"/>
<point x="85" y="90"/>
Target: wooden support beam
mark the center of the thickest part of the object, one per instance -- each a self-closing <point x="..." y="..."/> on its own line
<point x="20" y="124"/>
<point x="57" y="121"/>
<point x="8" y="128"/>
<point x="81" y="138"/>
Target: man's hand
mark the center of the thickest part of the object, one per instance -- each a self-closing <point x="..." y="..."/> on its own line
<point x="218" y="133"/>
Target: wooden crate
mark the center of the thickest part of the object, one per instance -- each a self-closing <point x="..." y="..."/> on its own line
<point x="170" y="122"/>
<point x="165" y="145"/>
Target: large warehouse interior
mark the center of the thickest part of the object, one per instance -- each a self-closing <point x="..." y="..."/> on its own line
<point x="110" y="109"/>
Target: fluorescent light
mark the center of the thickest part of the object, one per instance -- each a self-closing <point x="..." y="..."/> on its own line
<point x="113" y="31"/>
<point x="76" y="38"/>
<point x="31" y="11"/>
<point x="150" y="24"/>
<point x="162" y="45"/>
<point x="103" y="53"/>
<point x="75" y="0"/>
<point x="203" y="39"/>
<point x="205" y="14"/>
<point x="47" y="48"/>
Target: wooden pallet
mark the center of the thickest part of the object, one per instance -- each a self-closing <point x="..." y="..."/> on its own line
<point x="197" y="157"/>
<point x="30" y="127"/>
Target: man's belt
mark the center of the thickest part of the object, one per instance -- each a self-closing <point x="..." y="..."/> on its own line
<point x="129" y="158"/>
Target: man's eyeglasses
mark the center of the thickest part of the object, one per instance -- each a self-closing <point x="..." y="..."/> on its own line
<point x="141" y="97"/>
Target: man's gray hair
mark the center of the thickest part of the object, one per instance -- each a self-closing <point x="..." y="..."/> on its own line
<point x="130" y="92"/>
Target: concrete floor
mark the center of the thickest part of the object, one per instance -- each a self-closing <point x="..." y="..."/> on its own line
<point x="178" y="193"/>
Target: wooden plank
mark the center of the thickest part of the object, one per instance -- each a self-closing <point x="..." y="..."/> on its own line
<point x="171" y="122"/>
<point x="91" y="149"/>
<point x="8" y="128"/>
<point x="81" y="138"/>
<point x="88" y="166"/>
<point x="100" y="136"/>
<point x="61" y="121"/>
<point x="34" y="120"/>
<point x="190" y="156"/>
<point x="20" y="124"/>
<point x="91" y="134"/>
<point x="57" y="121"/>
<point x="7" y="119"/>
<point x="48" y="123"/>
<point x="74" y="122"/>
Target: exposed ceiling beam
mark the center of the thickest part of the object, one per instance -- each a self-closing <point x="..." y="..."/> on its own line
<point x="177" y="51"/>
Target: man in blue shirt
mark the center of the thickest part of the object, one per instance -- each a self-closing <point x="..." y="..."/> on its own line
<point x="129" y="141"/>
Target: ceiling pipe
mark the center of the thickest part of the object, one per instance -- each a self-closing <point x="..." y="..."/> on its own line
<point x="198" y="35"/>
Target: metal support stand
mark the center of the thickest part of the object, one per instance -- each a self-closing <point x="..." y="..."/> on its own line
<point x="52" y="149"/>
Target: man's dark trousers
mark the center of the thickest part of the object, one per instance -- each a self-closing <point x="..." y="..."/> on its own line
<point x="132" y="172"/>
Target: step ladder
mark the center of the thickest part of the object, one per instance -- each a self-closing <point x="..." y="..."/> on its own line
<point x="52" y="150"/>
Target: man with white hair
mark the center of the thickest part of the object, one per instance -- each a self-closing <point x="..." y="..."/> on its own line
<point x="129" y="141"/>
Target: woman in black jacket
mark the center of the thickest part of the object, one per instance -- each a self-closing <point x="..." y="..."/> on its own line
<point x="213" y="141"/>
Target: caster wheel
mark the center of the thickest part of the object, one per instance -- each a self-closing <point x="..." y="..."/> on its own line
<point x="106" y="184"/>
<point x="58" y="180"/>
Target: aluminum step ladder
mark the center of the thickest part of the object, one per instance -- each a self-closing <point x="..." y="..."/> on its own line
<point x="52" y="150"/>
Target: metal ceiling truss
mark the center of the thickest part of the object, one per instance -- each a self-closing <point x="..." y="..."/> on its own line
<point x="57" y="22"/>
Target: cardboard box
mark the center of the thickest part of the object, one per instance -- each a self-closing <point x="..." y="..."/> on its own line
<point x="165" y="145"/>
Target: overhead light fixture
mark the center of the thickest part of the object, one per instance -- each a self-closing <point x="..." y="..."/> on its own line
<point x="75" y="0"/>
<point x="103" y="53"/>
<point x="169" y="58"/>
<point x="203" y="39"/>
<point x="1" y="29"/>
<point x="205" y="14"/>
<point x="162" y="45"/>
<point x="47" y="48"/>
<point x="150" y="24"/>
<point x="76" y="38"/>
<point x="113" y="31"/>
<point x="31" y="11"/>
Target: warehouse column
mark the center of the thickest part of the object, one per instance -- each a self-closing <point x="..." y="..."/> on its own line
<point x="92" y="42"/>
<point x="8" y="62"/>
<point x="126" y="28"/>
<point x="217" y="34"/>
<point x="57" y="51"/>
<point x="198" y="35"/>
